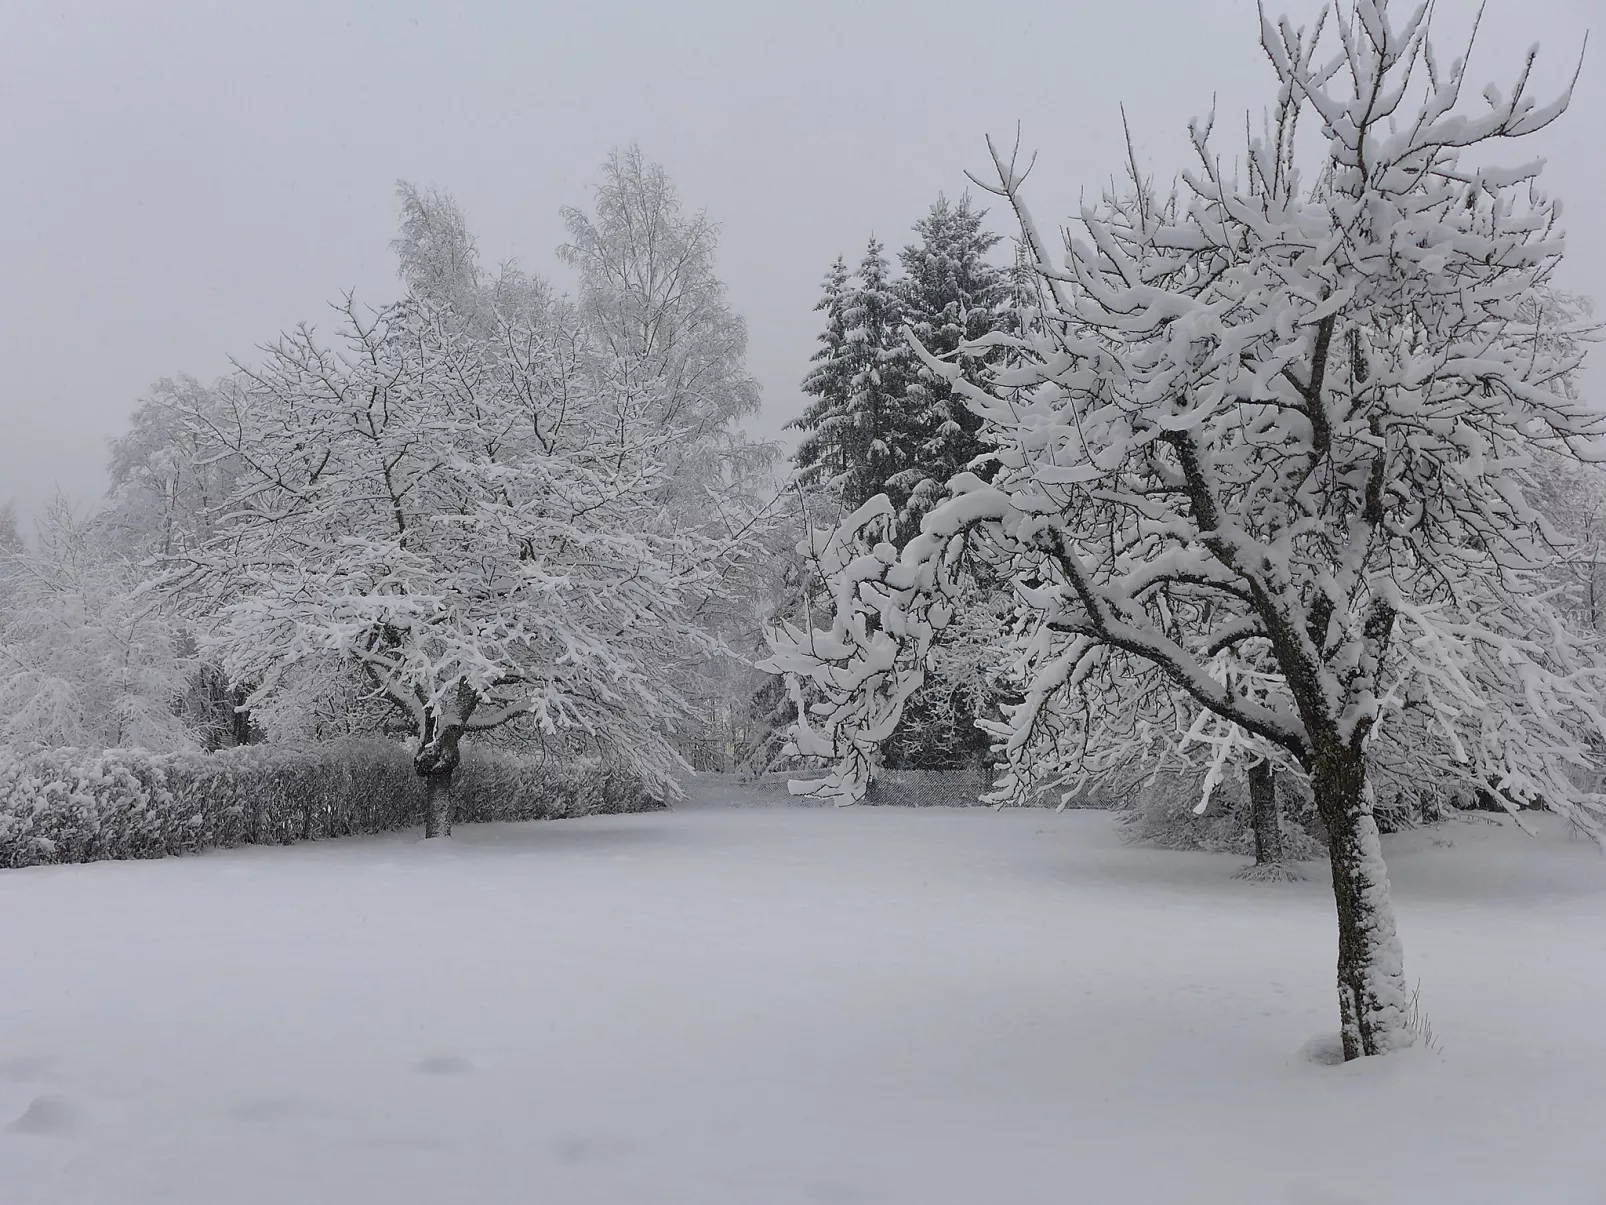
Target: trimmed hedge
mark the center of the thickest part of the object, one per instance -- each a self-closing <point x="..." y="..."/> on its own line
<point x="73" y="805"/>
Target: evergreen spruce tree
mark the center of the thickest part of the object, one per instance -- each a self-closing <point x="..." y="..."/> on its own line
<point x="881" y="422"/>
<point x="950" y="295"/>
<point x="821" y="455"/>
<point x="881" y="363"/>
<point x="859" y="439"/>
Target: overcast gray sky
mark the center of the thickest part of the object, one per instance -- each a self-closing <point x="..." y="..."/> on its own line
<point x="184" y="178"/>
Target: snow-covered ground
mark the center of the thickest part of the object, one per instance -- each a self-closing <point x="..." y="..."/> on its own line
<point x="770" y="1003"/>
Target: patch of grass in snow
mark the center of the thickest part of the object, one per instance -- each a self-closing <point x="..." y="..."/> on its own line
<point x="1421" y="1029"/>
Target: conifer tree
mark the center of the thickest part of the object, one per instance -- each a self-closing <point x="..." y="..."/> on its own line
<point x="882" y="422"/>
<point x="821" y="454"/>
<point x="858" y="440"/>
<point x="951" y="296"/>
<point x="884" y="436"/>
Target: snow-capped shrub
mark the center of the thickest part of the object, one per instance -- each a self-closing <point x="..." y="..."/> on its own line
<point x="75" y="805"/>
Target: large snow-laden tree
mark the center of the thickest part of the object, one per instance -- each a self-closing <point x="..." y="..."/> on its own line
<point x="440" y="494"/>
<point x="951" y="297"/>
<point x="1294" y="411"/>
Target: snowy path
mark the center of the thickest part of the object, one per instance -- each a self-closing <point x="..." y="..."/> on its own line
<point x="749" y="1005"/>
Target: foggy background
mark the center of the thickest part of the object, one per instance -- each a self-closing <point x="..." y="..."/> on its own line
<point x="184" y="180"/>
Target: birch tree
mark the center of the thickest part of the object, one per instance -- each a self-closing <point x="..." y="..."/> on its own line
<point x="1292" y="411"/>
<point x="676" y="353"/>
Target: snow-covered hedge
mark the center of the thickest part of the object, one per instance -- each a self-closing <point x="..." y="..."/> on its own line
<point x="72" y="805"/>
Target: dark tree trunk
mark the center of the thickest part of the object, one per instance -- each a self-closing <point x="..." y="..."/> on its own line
<point x="1371" y="964"/>
<point x="437" y="758"/>
<point x="1266" y="816"/>
<point x="1265" y="821"/>
<point x="239" y="717"/>
<point x="435" y="762"/>
<point x="438" y="804"/>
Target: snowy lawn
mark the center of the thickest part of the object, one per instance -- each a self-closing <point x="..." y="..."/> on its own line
<point x="754" y="1004"/>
